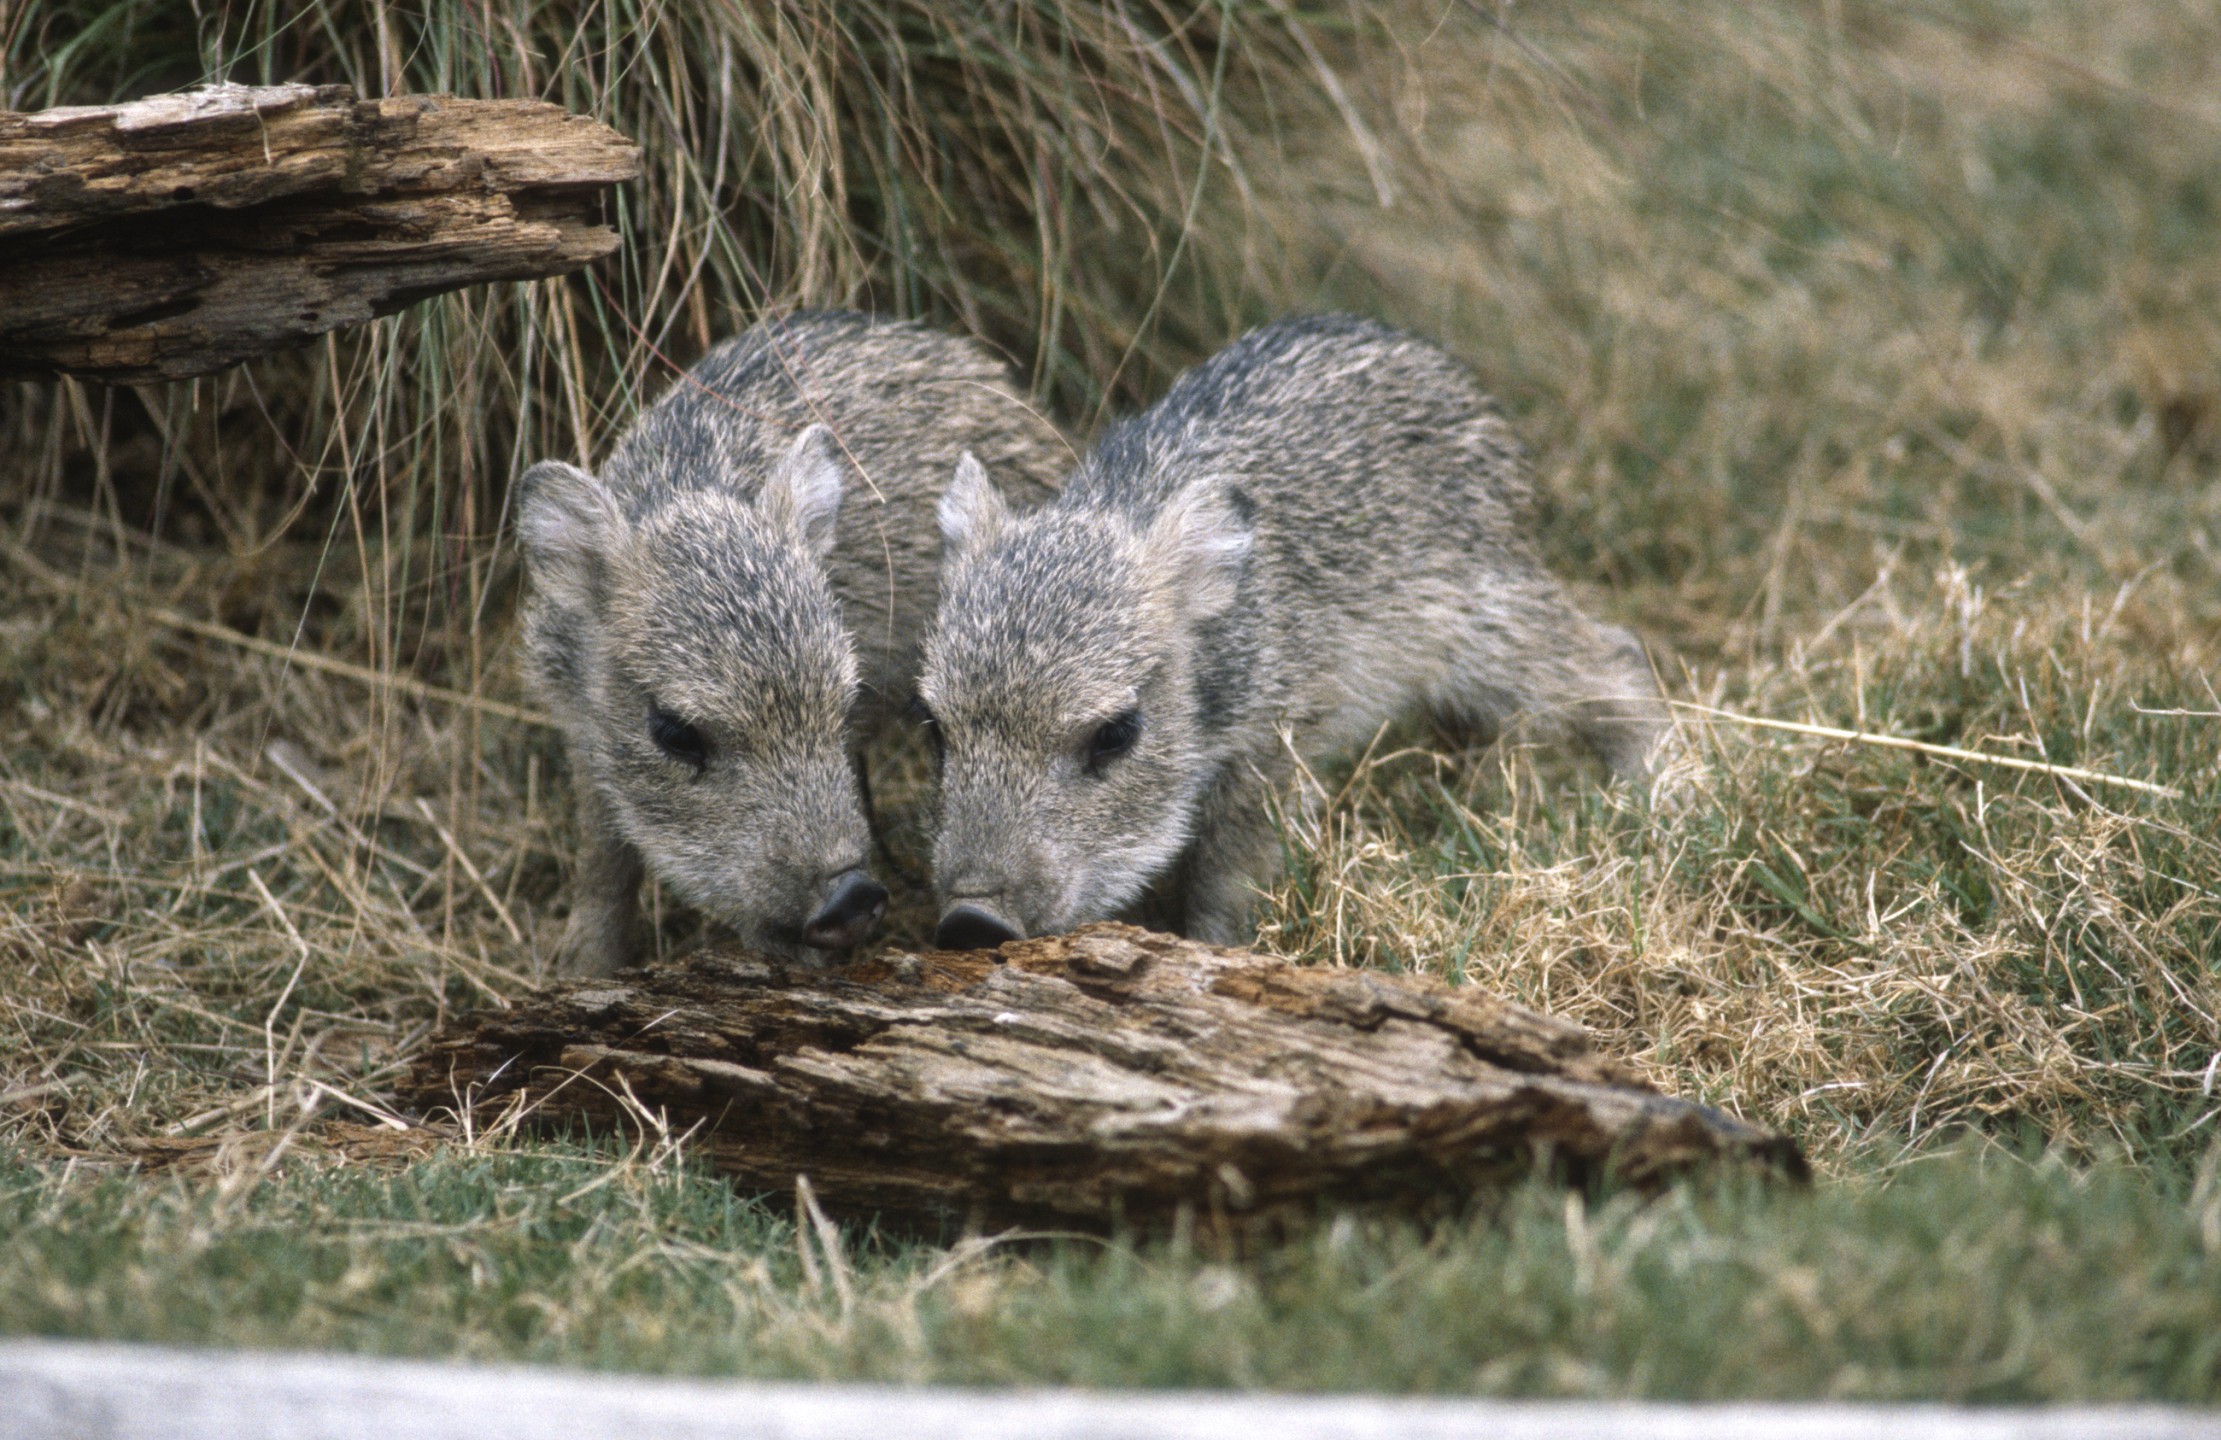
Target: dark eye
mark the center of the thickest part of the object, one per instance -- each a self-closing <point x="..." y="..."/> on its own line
<point x="1113" y="738"/>
<point x="926" y="721"/>
<point x="677" y="739"/>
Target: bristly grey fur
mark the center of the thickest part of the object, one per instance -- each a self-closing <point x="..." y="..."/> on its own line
<point x="1322" y="528"/>
<point x="757" y="560"/>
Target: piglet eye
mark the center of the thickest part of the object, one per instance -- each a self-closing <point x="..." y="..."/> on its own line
<point x="677" y="739"/>
<point x="1113" y="738"/>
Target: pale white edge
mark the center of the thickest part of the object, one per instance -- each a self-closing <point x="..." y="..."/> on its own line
<point x="55" y="1389"/>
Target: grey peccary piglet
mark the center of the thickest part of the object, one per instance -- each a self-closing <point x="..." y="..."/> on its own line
<point x="738" y="596"/>
<point x="1322" y="528"/>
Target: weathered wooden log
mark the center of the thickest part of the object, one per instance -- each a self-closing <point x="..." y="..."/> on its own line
<point x="1109" y="1073"/>
<point x="177" y="235"/>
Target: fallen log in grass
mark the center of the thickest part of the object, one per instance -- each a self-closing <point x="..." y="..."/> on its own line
<point x="1109" y="1074"/>
<point x="176" y="235"/>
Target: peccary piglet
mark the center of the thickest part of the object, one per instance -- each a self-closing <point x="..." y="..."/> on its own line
<point x="738" y="595"/>
<point x="1322" y="528"/>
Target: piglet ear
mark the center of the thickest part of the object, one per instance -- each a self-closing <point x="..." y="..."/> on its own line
<point x="804" y="487"/>
<point x="1201" y="540"/>
<point x="567" y="522"/>
<point x="972" y="509"/>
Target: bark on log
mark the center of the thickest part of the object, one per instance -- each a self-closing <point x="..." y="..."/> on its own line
<point x="1110" y="1073"/>
<point x="174" y="236"/>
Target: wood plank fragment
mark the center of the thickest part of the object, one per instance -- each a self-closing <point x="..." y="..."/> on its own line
<point x="176" y="235"/>
<point x="1108" y="1074"/>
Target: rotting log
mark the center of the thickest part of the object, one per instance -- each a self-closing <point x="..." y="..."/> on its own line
<point x="173" y="236"/>
<point x="1112" y="1073"/>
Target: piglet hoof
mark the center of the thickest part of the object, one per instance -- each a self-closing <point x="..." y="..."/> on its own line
<point x="593" y="946"/>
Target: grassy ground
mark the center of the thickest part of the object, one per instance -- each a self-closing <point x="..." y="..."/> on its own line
<point x="1872" y="362"/>
<point x="1961" y="1278"/>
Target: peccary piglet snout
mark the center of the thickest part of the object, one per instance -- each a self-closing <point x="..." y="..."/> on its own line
<point x="1322" y="528"/>
<point x="720" y="616"/>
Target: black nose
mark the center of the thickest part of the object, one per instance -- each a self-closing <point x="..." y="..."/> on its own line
<point x="968" y="927"/>
<point x="849" y="915"/>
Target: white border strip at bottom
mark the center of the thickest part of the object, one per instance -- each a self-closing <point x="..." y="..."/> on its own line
<point x="54" y="1390"/>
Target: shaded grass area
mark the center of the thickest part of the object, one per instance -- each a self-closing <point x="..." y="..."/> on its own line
<point x="1961" y="1277"/>
<point x="1871" y="359"/>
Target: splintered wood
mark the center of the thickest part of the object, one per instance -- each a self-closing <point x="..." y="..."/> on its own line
<point x="1109" y="1074"/>
<point x="173" y="236"/>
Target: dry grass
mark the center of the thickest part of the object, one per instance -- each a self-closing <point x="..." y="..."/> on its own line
<point x="1870" y="367"/>
<point x="1873" y="361"/>
<point x="1850" y="941"/>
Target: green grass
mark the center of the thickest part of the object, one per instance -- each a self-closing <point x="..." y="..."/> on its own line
<point x="1955" y="1276"/>
<point x="1870" y="356"/>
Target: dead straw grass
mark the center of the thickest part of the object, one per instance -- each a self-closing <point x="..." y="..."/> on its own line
<point x="1850" y="344"/>
<point x="1859" y="944"/>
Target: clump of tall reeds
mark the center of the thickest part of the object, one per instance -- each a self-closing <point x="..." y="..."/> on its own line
<point x="1031" y="172"/>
